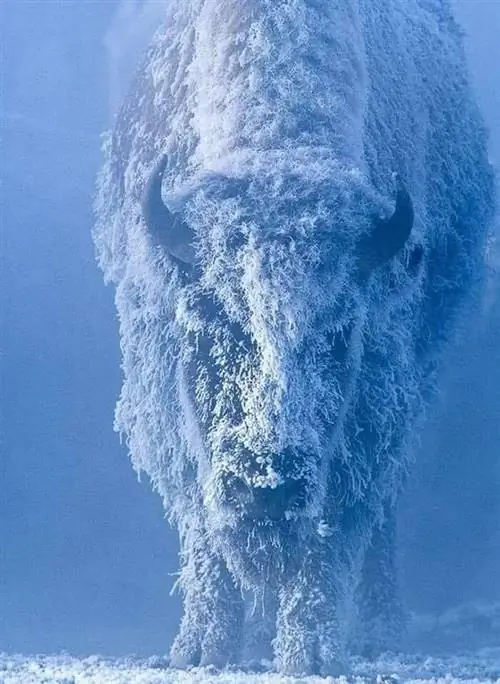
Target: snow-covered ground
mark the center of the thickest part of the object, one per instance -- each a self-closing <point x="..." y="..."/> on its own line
<point x="472" y="630"/>
<point x="478" y="668"/>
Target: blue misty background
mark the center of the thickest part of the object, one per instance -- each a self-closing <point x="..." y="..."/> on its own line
<point x="85" y="554"/>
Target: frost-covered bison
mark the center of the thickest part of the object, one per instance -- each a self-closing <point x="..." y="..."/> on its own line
<point x="294" y="205"/>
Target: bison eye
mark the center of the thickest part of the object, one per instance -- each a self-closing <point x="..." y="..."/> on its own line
<point x="415" y="258"/>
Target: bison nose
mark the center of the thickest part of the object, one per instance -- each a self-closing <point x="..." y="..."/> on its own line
<point x="278" y="503"/>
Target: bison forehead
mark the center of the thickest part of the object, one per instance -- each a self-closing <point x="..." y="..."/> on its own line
<point x="277" y="252"/>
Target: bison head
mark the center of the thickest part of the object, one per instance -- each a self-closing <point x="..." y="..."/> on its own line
<point x="272" y="271"/>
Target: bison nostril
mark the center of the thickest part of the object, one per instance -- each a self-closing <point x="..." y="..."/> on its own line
<point x="237" y="490"/>
<point x="276" y="503"/>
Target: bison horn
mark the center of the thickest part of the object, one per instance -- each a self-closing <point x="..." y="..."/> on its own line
<point x="166" y="228"/>
<point x="389" y="236"/>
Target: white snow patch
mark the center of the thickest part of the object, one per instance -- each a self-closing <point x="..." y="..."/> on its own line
<point x="476" y="668"/>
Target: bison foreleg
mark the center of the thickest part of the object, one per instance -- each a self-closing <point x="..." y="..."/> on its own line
<point x="308" y="639"/>
<point x="211" y="627"/>
<point x="260" y="625"/>
<point x="222" y="641"/>
<point x="186" y="649"/>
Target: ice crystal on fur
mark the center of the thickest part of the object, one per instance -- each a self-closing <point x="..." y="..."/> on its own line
<point x="273" y="384"/>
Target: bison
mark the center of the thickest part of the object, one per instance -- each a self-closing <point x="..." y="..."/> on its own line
<point x="294" y="207"/>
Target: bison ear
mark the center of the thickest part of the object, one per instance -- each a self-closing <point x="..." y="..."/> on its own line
<point x="165" y="228"/>
<point x="389" y="236"/>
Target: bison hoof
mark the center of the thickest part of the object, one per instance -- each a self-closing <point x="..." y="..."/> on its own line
<point x="215" y="662"/>
<point x="181" y="661"/>
<point x="182" y="658"/>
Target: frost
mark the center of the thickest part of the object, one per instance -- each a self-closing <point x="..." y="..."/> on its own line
<point x="273" y="392"/>
<point x="480" y="668"/>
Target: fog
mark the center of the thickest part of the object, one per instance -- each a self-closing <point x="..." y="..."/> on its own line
<point x="85" y="552"/>
<point x="86" y="556"/>
<point x="450" y="528"/>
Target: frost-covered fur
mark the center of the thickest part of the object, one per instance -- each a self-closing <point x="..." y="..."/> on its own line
<point x="271" y="391"/>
